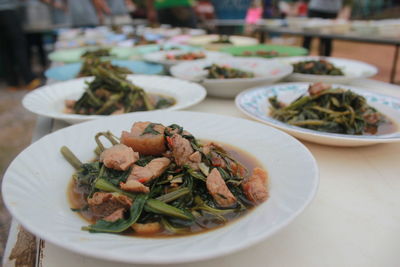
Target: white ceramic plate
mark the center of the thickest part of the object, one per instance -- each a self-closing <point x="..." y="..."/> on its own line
<point x="35" y="185"/>
<point x="160" y="57"/>
<point x="266" y="71"/>
<point x="254" y="103"/>
<point x="49" y="100"/>
<point x="352" y="69"/>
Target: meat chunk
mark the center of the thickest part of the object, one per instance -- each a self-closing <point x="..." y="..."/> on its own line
<point x="237" y="170"/>
<point x="116" y="215"/>
<point x="119" y="157"/>
<point x="207" y="148"/>
<point x="103" y="204"/>
<point x="146" y="138"/>
<point x="255" y="187"/>
<point x="152" y="170"/>
<point x="134" y="186"/>
<point x="219" y="190"/>
<point x="147" y="228"/>
<point x="195" y="157"/>
<point x="317" y="88"/>
<point x="69" y="103"/>
<point x="181" y="149"/>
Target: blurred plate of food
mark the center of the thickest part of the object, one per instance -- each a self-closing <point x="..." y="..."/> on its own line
<point x="75" y="54"/>
<point x="173" y="57"/>
<point x="265" y="51"/>
<point x="226" y="77"/>
<point x="337" y="115"/>
<point x="328" y="69"/>
<point x="217" y="42"/>
<point x="110" y="93"/>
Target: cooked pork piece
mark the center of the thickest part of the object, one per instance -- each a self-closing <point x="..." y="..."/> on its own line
<point x="119" y="157"/>
<point x="146" y="138"/>
<point x="317" y="88"/>
<point x="219" y="190"/>
<point x="152" y="170"/>
<point x="255" y="187"/>
<point x="134" y="186"/>
<point x="116" y="215"/>
<point x="103" y="204"/>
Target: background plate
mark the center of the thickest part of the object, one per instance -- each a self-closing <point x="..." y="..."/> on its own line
<point x="353" y="69"/>
<point x="49" y="100"/>
<point x="287" y="51"/>
<point x="74" y="55"/>
<point x="254" y="103"/>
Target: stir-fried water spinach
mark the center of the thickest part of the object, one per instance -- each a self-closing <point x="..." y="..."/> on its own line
<point x="111" y="92"/>
<point x="224" y="72"/>
<point x="317" y="67"/>
<point x="328" y="109"/>
<point x="91" y="63"/>
<point x="172" y="185"/>
<point x="101" y="52"/>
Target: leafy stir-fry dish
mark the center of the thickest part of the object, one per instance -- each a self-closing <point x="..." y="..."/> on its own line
<point x="186" y="56"/>
<point x="222" y="39"/>
<point x="101" y="52"/>
<point x="112" y="93"/>
<point x="162" y="181"/>
<point x="90" y="63"/>
<point x="224" y="72"/>
<point x="327" y="109"/>
<point x="317" y="67"/>
<point x="263" y="53"/>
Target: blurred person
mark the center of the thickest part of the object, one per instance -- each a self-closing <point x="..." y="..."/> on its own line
<point x="177" y="13"/>
<point x="13" y="48"/>
<point x="90" y="13"/>
<point x="87" y="13"/>
<point x="327" y="9"/>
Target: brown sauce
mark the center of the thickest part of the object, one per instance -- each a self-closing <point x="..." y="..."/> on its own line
<point x="77" y="200"/>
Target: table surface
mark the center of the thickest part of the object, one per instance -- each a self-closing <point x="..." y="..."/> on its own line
<point x="353" y="220"/>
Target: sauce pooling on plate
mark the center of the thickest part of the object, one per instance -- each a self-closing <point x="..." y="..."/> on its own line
<point x="159" y="181"/>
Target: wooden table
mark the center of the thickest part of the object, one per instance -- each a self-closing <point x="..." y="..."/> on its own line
<point x="353" y="221"/>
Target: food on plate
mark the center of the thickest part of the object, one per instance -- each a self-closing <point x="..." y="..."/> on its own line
<point x="110" y="92"/>
<point x="186" y="56"/>
<point x="317" y="67"/>
<point x="222" y="39"/>
<point x="263" y="53"/>
<point x="160" y="180"/>
<point x="225" y="72"/>
<point x="91" y="63"/>
<point x="101" y="52"/>
<point x="329" y="109"/>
